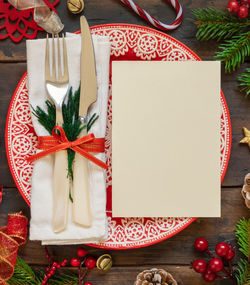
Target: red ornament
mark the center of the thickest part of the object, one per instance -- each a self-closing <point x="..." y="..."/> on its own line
<point x="233" y="6"/>
<point x="75" y="262"/>
<point x="87" y="283"/>
<point x="230" y="254"/>
<point x="81" y="252"/>
<point x="215" y="264"/>
<point x="209" y="276"/>
<point x="201" y="244"/>
<point x="243" y="12"/>
<point x="221" y="249"/>
<point x="199" y="265"/>
<point x="90" y="263"/>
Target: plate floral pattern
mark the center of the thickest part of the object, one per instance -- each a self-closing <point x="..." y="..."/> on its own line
<point x="129" y="42"/>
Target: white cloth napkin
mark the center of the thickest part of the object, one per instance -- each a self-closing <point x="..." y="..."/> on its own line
<point x="42" y="177"/>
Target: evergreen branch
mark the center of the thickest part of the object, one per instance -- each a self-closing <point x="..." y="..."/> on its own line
<point x="234" y="51"/>
<point x="242" y="233"/>
<point x="244" y="79"/>
<point x="64" y="278"/>
<point x="242" y="272"/>
<point x="216" y="24"/>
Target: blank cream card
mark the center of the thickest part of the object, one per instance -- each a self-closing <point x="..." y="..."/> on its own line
<point x="166" y="139"/>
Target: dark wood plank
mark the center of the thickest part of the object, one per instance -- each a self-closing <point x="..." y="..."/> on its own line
<point x="127" y="275"/>
<point x="176" y="250"/>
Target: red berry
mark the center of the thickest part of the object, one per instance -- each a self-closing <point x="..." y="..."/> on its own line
<point x="90" y="262"/>
<point x="221" y="249"/>
<point x="199" y="265"/>
<point x="215" y="264"/>
<point x="201" y="244"/>
<point x="233" y="6"/>
<point x="81" y="252"/>
<point x="49" y="275"/>
<point x="47" y="269"/>
<point x="87" y="283"/>
<point x="230" y="254"/>
<point x="53" y="268"/>
<point x="243" y="12"/>
<point x="245" y="3"/>
<point x="65" y="261"/>
<point x="58" y="266"/>
<point x="75" y="262"/>
<point x="209" y="276"/>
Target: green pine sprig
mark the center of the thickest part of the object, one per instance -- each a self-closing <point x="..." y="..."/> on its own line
<point x="72" y="125"/>
<point x="244" y="84"/>
<point x="234" y="51"/>
<point x="24" y="275"/>
<point x="216" y="24"/>
<point x="242" y="233"/>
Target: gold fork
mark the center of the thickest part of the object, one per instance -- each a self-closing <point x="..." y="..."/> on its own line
<point x="57" y="86"/>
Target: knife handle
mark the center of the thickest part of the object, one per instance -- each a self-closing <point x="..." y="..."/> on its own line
<point x="60" y="191"/>
<point x="81" y="211"/>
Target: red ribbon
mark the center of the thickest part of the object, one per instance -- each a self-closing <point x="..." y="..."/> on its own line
<point x="84" y="145"/>
<point x="11" y="237"/>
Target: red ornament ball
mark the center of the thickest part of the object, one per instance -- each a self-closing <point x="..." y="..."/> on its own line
<point x="81" y="252"/>
<point x="75" y="262"/>
<point x="233" y="6"/>
<point x="215" y="264"/>
<point x="209" y="276"/>
<point x="221" y="249"/>
<point x="243" y="12"/>
<point x="199" y="265"/>
<point x="230" y="254"/>
<point x="87" y="283"/>
<point x="201" y="244"/>
<point x="90" y="263"/>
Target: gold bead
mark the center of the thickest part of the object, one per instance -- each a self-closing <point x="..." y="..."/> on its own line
<point x="75" y="6"/>
<point x="104" y="262"/>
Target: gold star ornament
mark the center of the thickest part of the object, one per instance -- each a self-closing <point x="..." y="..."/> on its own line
<point x="247" y="137"/>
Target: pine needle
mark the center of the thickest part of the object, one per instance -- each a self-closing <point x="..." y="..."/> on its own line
<point x="216" y="24"/>
<point x="234" y="51"/>
<point x="244" y="79"/>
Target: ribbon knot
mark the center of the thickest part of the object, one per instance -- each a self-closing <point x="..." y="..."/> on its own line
<point x="59" y="141"/>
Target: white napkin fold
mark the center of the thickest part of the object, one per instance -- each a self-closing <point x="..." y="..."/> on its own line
<point x="42" y="177"/>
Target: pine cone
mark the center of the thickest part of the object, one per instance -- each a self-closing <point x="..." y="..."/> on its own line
<point x="155" y="277"/>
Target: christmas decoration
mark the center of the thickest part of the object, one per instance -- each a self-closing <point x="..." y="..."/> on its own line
<point x="159" y="25"/>
<point x="215" y="268"/>
<point x="246" y="139"/>
<point x="104" y="262"/>
<point x="75" y="6"/>
<point x="244" y="84"/>
<point x="54" y="274"/>
<point x="246" y="190"/>
<point x="11" y="237"/>
<point x="81" y="252"/>
<point x="156" y="277"/>
<point x="219" y="25"/>
<point x="66" y="137"/>
<point x="19" y="23"/>
<point x="1" y="194"/>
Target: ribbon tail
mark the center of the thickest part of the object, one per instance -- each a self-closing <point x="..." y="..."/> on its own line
<point x="90" y="157"/>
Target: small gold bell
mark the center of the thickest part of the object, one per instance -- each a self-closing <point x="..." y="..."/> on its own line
<point x="104" y="262"/>
<point x="75" y="6"/>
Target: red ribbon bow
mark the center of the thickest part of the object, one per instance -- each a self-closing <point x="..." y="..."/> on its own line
<point x="84" y="145"/>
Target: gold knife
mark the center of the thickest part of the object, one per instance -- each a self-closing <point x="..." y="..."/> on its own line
<point x="81" y="202"/>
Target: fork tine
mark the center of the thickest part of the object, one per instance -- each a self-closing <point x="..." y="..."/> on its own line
<point x="65" y="61"/>
<point x="53" y="58"/>
<point x="60" y="75"/>
<point x="47" y="66"/>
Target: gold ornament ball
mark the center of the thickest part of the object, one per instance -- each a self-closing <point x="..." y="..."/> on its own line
<point x="75" y="6"/>
<point x="104" y="262"/>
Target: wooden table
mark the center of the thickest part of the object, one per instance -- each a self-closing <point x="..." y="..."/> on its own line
<point x="176" y="253"/>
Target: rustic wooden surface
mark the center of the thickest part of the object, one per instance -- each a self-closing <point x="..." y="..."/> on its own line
<point x="176" y="253"/>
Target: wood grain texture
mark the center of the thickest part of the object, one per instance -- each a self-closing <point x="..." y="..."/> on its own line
<point x="175" y="253"/>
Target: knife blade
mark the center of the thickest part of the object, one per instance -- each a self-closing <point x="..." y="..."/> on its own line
<point x="81" y="210"/>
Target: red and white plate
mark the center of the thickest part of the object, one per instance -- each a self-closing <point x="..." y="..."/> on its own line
<point x="129" y="42"/>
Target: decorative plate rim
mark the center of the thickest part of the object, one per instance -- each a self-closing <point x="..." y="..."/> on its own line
<point x="136" y="244"/>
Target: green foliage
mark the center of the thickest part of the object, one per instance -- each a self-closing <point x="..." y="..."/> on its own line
<point x="234" y="51"/>
<point x="72" y="125"/>
<point x="242" y="233"/>
<point x="244" y="79"/>
<point x="23" y="274"/>
<point x="216" y="24"/>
